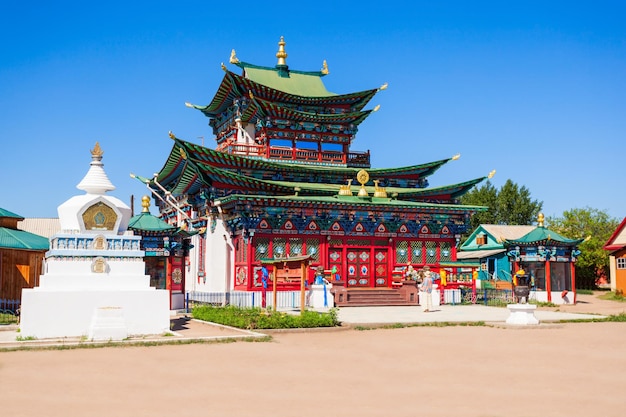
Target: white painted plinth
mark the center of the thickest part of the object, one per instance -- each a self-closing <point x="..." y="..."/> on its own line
<point x="317" y="296"/>
<point x="108" y="324"/>
<point x="523" y="314"/>
<point x="50" y="314"/>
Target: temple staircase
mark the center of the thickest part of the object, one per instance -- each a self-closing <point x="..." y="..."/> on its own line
<point x="405" y="295"/>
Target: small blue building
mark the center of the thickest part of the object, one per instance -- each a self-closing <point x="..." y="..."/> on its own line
<point x="485" y="246"/>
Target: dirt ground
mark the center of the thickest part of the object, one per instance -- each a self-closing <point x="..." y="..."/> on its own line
<point x="572" y="369"/>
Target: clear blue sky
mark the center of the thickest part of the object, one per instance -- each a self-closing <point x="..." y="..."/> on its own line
<point x="534" y="90"/>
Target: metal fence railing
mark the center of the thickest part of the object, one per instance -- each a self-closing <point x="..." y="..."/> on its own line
<point x="9" y="311"/>
<point x="10" y="306"/>
<point x="284" y="299"/>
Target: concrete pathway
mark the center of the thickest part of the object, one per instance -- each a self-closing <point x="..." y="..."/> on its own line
<point x="187" y="329"/>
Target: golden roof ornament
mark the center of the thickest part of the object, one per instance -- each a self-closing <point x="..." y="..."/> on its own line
<point x="324" y="68"/>
<point x="224" y="67"/>
<point x="376" y="108"/>
<point x="384" y="86"/>
<point x="379" y="192"/>
<point x="491" y="174"/>
<point x="233" y="57"/>
<point x="362" y="177"/>
<point x="281" y="54"/>
<point x="540" y="219"/>
<point x="145" y="204"/>
<point x="97" y="152"/>
<point x="171" y="135"/>
<point x="457" y="156"/>
<point x="346" y="189"/>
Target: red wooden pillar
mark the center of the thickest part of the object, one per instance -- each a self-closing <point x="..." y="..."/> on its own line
<point x="548" y="283"/>
<point x="573" y="273"/>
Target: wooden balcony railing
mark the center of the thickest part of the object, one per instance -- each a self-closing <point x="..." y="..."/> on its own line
<point x="351" y="159"/>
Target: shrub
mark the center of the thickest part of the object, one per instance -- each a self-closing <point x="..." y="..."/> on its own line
<point x="257" y="318"/>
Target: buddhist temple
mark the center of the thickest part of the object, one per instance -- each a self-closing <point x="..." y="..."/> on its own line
<point x="284" y="182"/>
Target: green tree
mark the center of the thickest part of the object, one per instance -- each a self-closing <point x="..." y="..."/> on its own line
<point x="597" y="226"/>
<point x="511" y="204"/>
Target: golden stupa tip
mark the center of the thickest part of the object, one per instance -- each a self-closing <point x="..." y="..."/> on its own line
<point x="281" y="54"/>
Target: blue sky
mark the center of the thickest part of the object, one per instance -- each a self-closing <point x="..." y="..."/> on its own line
<point x="534" y="90"/>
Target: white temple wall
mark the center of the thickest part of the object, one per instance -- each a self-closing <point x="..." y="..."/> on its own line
<point x="191" y="269"/>
<point x="219" y="258"/>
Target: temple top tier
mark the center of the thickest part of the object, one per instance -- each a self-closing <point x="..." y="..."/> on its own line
<point x="286" y="115"/>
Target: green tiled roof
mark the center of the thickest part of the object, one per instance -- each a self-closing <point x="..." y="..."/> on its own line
<point x="7" y="213"/>
<point x="298" y="83"/>
<point x="19" y="239"/>
<point x="542" y="235"/>
<point x="149" y="223"/>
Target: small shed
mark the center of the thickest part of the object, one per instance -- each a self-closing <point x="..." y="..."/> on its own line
<point x="616" y="246"/>
<point x="21" y="256"/>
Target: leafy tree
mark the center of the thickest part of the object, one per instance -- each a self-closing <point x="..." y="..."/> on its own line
<point x="510" y="205"/>
<point x="597" y="225"/>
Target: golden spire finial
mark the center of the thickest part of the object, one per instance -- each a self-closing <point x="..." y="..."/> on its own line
<point x="224" y="67"/>
<point x="540" y="220"/>
<point x="281" y="54"/>
<point x="97" y="151"/>
<point x="233" y="57"/>
<point x="491" y="174"/>
<point x="376" y="108"/>
<point x="324" y="68"/>
<point x="457" y="156"/>
<point x="171" y="135"/>
<point x="384" y="86"/>
<point x="145" y="203"/>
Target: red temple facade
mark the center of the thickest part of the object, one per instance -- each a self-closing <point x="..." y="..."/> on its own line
<point x="284" y="182"/>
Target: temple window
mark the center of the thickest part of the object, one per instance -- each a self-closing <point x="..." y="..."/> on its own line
<point x="621" y="263"/>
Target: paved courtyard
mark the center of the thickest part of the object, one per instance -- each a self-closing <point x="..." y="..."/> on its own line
<point x="554" y="369"/>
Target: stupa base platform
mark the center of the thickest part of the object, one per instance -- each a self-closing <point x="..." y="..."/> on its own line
<point x="51" y="314"/>
<point x="522" y="314"/>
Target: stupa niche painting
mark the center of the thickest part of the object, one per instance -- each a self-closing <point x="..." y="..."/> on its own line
<point x="94" y="283"/>
<point x="283" y="181"/>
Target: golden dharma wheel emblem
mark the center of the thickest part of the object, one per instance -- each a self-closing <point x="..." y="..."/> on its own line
<point x="362" y="177"/>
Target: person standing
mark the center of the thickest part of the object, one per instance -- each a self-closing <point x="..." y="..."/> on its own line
<point x="426" y="289"/>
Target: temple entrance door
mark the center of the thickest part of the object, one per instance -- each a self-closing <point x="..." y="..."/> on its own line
<point x="381" y="267"/>
<point x="358" y="267"/>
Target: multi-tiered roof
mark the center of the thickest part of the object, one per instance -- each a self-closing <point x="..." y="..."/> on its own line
<point x="284" y="140"/>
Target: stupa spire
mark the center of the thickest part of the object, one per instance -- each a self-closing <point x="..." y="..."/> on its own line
<point x="96" y="180"/>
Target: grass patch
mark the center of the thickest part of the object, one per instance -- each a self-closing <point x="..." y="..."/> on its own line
<point x="257" y="318"/>
<point x="7" y="318"/>
<point x="433" y="324"/>
<point x="613" y="296"/>
<point x="584" y="292"/>
<point x="139" y="343"/>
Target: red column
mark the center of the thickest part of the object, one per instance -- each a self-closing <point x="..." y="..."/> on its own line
<point x="573" y="280"/>
<point x="548" y="284"/>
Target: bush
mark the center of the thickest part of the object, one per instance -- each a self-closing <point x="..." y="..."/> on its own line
<point x="7" y="317"/>
<point x="257" y="318"/>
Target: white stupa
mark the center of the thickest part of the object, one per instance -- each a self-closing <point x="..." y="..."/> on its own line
<point x="94" y="283"/>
